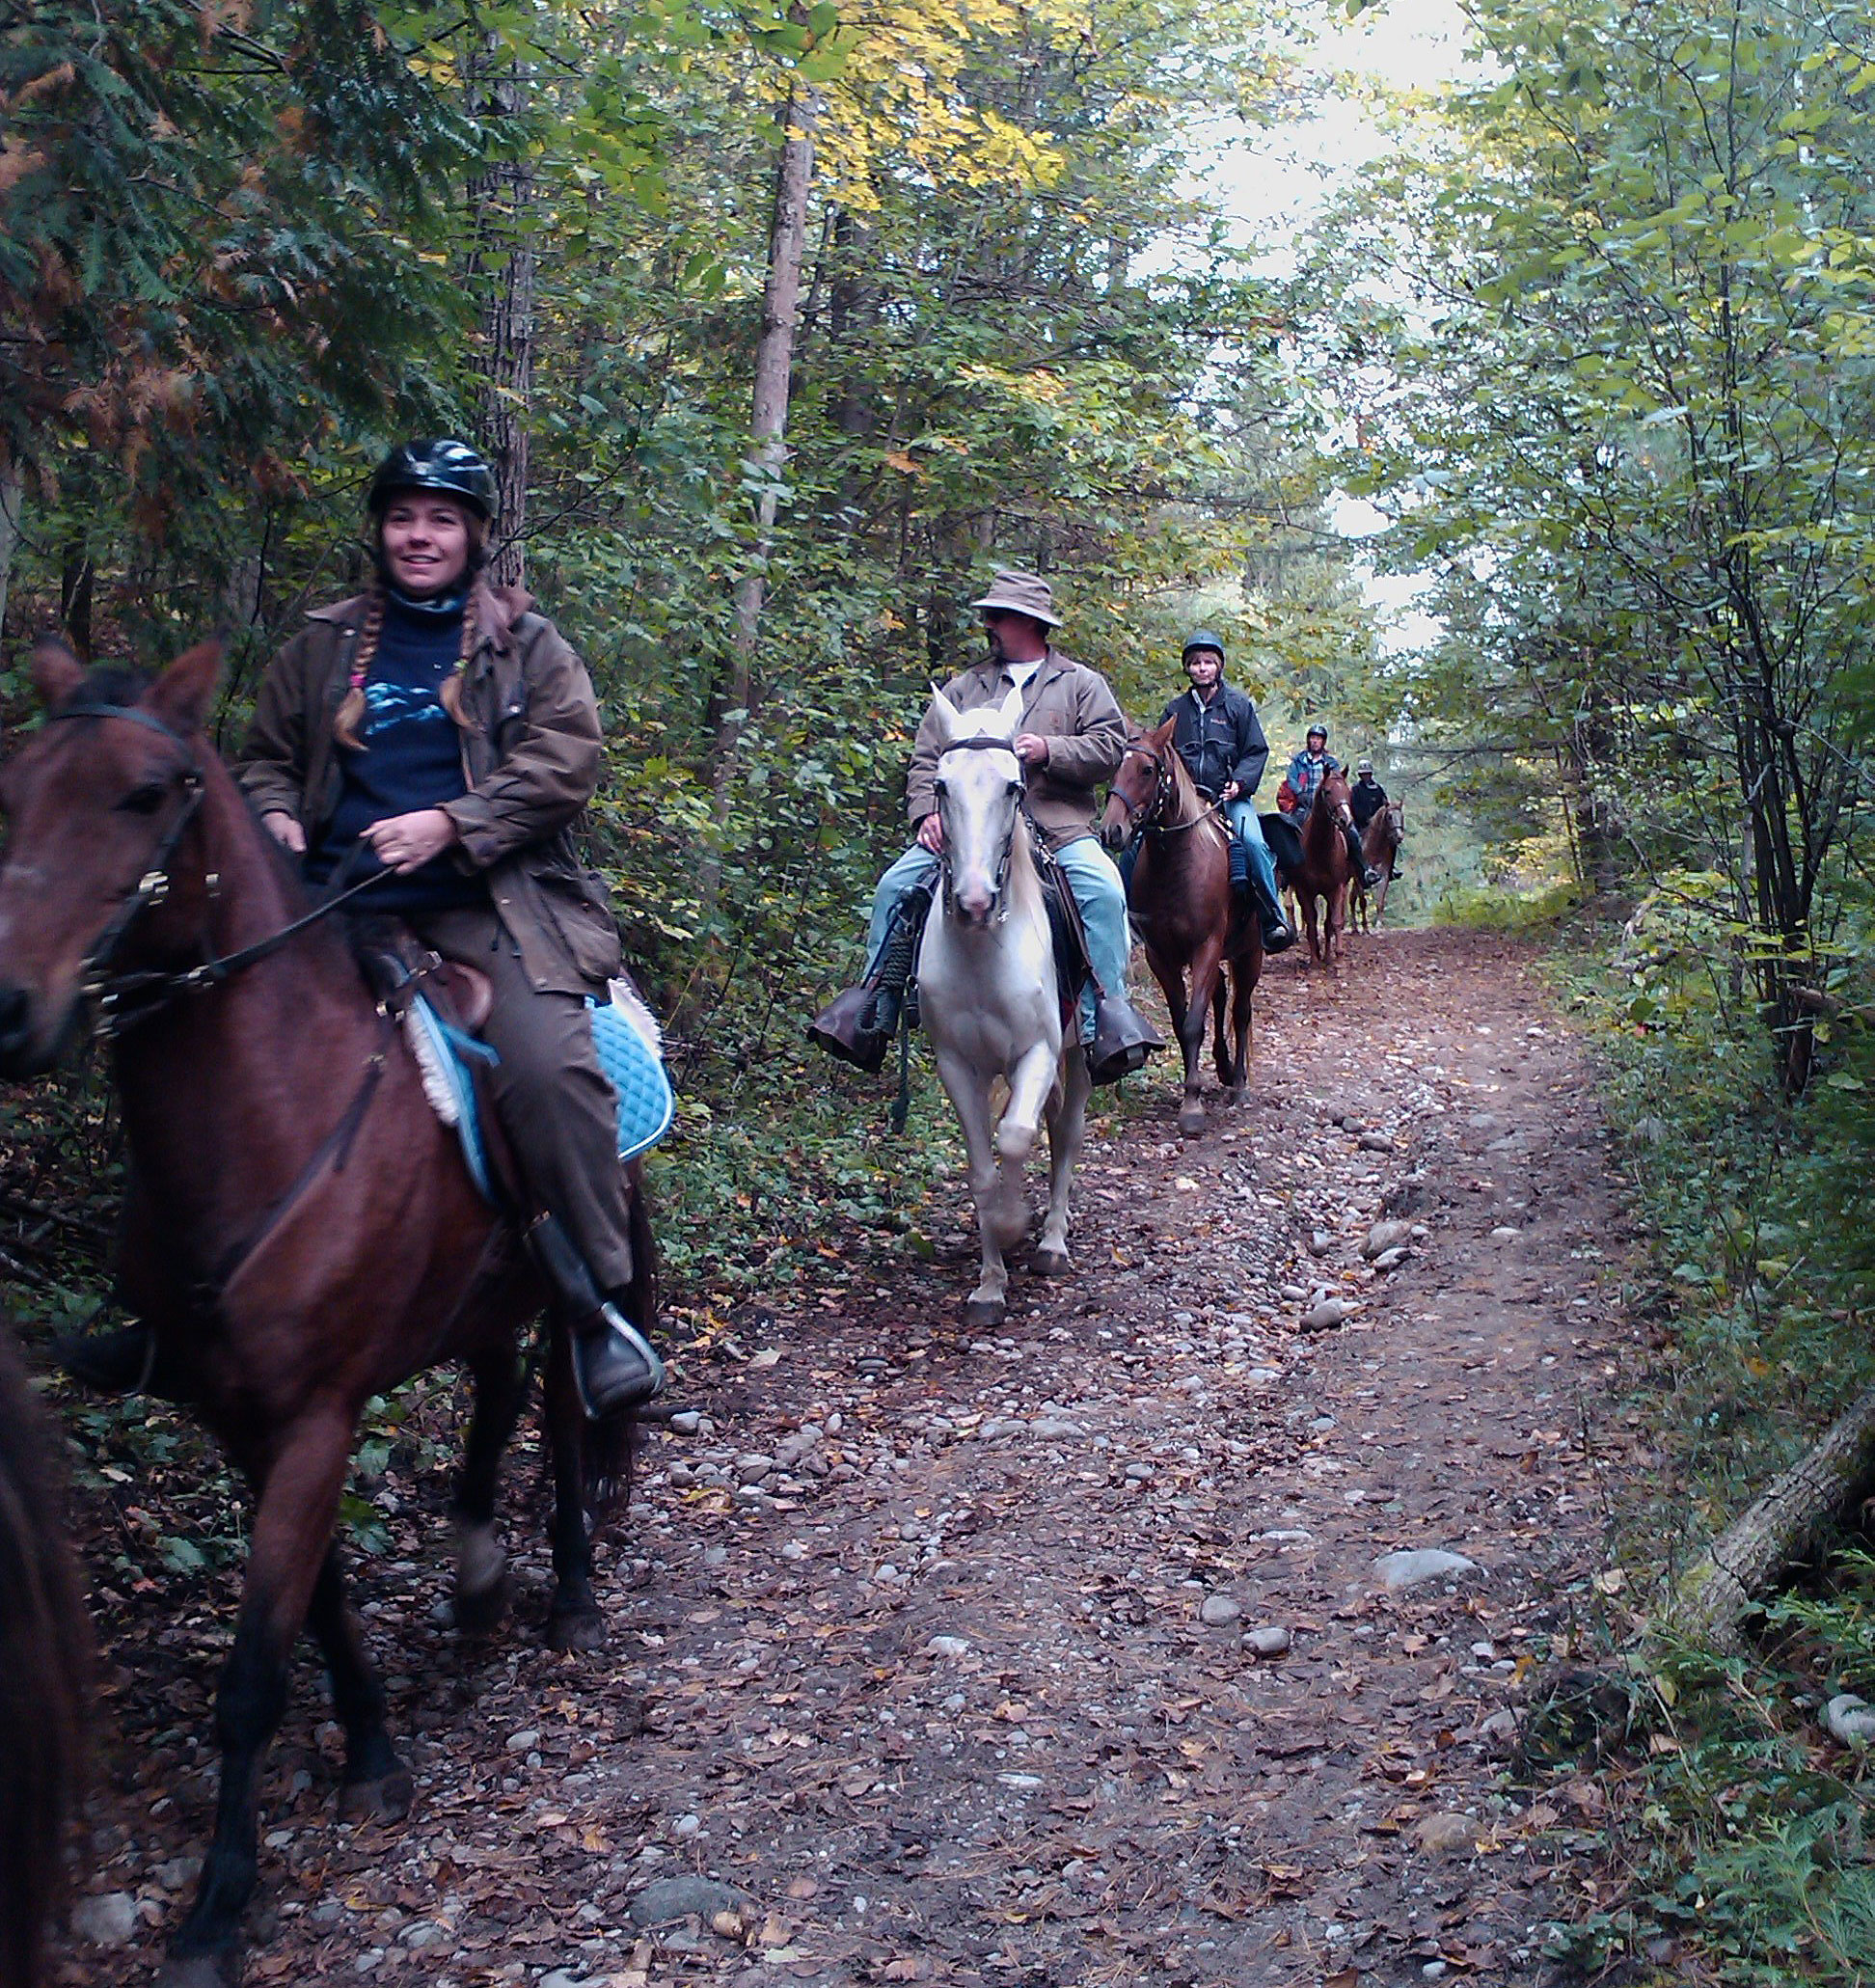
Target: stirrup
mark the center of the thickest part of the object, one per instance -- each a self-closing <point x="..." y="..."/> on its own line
<point x="615" y="1368"/>
<point x="846" y="1027"/>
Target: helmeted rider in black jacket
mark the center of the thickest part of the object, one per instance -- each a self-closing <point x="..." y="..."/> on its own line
<point x="1222" y="744"/>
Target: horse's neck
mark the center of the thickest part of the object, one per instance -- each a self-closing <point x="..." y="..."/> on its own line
<point x="237" y="1079"/>
<point x="1194" y="836"/>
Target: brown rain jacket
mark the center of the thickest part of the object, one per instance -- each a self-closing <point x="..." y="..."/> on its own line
<point x="531" y="754"/>
<point x="1068" y="705"/>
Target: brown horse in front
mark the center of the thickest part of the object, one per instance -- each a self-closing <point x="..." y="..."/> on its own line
<point x="301" y="1231"/>
<point x="1182" y="906"/>
<point x="1327" y="871"/>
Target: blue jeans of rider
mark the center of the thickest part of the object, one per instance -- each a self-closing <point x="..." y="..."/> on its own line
<point x="1248" y="831"/>
<point x="1099" y="894"/>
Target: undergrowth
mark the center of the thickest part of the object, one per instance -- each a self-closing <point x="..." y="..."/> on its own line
<point x="1741" y="1853"/>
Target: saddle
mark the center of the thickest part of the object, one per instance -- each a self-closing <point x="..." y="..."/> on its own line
<point x="1285" y="842"/>
<point x="442" y="1006"/>
<point x="1073" y="961"/>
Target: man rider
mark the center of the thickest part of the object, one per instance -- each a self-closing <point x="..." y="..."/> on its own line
<point x="1222" y="744"/>
<point x="1069" y="740"/>
<point x="1367" y="796"/>
<point x="1306" y="773"/>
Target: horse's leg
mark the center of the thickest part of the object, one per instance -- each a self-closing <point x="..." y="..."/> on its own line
<point x="292" y="1528"/>
<point x="1243" y="987"/>
<point x="1171" y="978"/>
<point x="574" y="1621"/>
<point x="480" y="1565"/>
<point x="1207" y="969"/>
<point x="989" y="1303"/>
<point x="377" y="1785"/>
<point x="1307" y="901"/>
<point x="1067" y="1122"/>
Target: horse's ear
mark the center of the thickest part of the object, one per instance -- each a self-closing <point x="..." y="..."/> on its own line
<point x="182" y="695"/>
<point x="1159" y="734"/>
<point x="1009" y="712"/>
<point x="946" y="716"/>
<point x="57" y="671"/>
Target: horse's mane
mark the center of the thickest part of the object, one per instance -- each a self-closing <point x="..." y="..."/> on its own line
<point x="1184" y="792"/>
<point x="44" y="1661"/>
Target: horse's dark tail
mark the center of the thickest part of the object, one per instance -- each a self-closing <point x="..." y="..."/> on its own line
<point x="45" y="1668"/>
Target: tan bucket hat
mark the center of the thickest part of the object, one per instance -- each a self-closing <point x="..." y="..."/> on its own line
<point x="1022" y="593"/>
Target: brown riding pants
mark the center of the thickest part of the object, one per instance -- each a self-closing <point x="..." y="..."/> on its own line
<point x="559" y="1111"/>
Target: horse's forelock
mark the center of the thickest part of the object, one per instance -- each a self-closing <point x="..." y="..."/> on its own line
<point x="113" y="683"/>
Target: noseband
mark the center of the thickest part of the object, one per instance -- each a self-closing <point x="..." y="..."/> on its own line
<point x="985" y="743"/>
<point x="124" y="998"/>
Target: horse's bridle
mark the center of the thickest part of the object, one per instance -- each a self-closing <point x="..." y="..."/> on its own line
<point x="124" y="998"/>
<point x="1149" y="819"/>
<point x="988" y="743"/>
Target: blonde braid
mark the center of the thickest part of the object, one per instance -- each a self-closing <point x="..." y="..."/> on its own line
<point x="350" y="715"/>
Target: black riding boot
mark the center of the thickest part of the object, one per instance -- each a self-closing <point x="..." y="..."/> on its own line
<point x="1277" y="938"/>
<point x="1357" y="856"/>
<point x="616" y="1366"/>
<point x="857" y="1024"/>
<point x="1122" y="1039"/>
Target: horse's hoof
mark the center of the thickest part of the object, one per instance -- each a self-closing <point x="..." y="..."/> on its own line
<point x="984" y="1311"/>
<point x="576" y="1629"/>
<point x="221" y="1970"/>
<point x="1191" y="1120"/>
<point x="1238" y="1094"/>
<point x="483" y="1612"/>
<point x="1049" y="1263"/>
<point x="387" y="1799"/>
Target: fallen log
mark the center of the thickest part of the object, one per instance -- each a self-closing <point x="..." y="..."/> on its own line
<point x="1779" y="1529"/>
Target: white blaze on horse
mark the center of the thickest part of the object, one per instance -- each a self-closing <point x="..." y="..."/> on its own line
<point x="989" y="1001"/>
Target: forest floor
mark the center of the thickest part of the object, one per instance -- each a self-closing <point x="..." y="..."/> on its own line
<point x="935" y="1657"/>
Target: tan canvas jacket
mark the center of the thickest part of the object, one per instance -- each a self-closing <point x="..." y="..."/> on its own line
<point x="530" y="754"/>
<point x="1068" y="705"/>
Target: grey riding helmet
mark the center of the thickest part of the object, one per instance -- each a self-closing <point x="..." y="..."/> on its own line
<point x="1204" y="639"/>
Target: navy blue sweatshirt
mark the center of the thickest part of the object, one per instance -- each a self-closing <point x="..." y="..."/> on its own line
<point x="411" y="759"/>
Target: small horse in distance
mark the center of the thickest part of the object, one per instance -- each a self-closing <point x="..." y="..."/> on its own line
<point x="1380" y="842"/>
<point x="988" y="998"/>
<point x="301" y="1231"/>
<point x="1326" y="872"/>
<point x="1184" y="910"/>
<point x="45" y="1668"/>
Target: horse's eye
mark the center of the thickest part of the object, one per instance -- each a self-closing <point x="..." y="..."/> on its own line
<point x="1015" y="787"/>
<point x="145" y="799"/>
<point x="939" y="788"/>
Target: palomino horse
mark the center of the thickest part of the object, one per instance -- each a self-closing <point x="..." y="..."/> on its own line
<point x="44" y="1653"/>
<point x="1326" y="870"/>
<point x="1380" y="842"/>
<point x="989" y="1001"/>
<point x="301" y="1234"/>
<point x="1183" y="911"/>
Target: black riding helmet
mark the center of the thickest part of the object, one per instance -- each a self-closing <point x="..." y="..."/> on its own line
<point x="1204" y="639"/>
<point x="449" y="466"/>
<point x="1319" y="731"/>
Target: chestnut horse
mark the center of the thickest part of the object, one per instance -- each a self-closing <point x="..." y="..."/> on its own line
<point x="45" y="1657"/>
<point x="1183" y="908"/>
<point x="1326" y="870"/>
<point x="1380" y="841"/>
<point x="301" y="1231"/>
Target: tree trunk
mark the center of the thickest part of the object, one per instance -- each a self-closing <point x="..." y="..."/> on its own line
<point x="502" y="271"/>
<point x="13" y="497"/>
<point x="734" y="699"/>
<point x="1785" y="1527"/>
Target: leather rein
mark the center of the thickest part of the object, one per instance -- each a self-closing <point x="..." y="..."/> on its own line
<point x="122" y="999"/>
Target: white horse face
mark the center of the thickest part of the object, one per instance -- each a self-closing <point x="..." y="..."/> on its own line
<point x="979" y="788"/>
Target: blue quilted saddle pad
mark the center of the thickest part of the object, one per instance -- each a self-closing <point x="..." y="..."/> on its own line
<point x="629" y="1055"/>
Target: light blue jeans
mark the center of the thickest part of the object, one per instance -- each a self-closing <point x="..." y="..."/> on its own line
<point x="1099" y="894"/>
<point x="1248" y="829"/>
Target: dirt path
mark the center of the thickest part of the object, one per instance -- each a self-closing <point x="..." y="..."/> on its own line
<point x="933" y="1650"/>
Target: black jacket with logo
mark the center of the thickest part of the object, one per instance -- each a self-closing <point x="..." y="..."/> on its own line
<point x="1219" y="741"/>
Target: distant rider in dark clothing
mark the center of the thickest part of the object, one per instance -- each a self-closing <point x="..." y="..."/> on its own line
<point x="1221" y="741"/>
